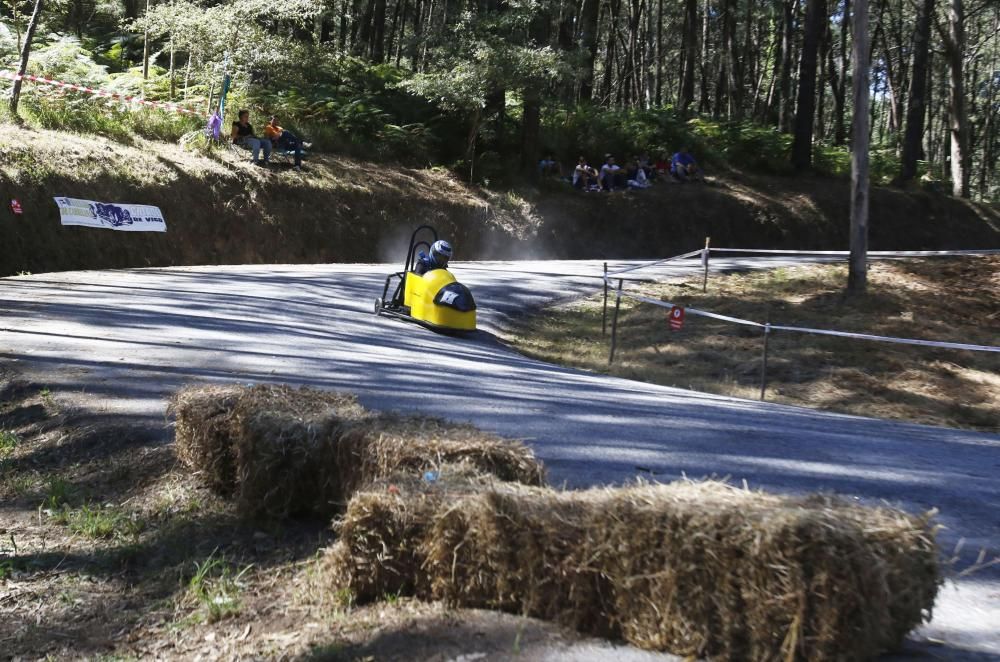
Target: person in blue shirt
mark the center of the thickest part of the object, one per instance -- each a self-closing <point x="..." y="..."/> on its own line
<point x="683" y="166"/>
<point x="438" y="258"/>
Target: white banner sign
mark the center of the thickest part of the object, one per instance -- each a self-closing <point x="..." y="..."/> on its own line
<point x="129" y="218"/>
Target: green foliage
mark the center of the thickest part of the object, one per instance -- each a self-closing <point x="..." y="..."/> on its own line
<point x="8" y="565"/>
<point x="355" y="107"/>
<point x="66" y="58"/>
<point x="216" y="587"/>
<point x="103" y="522"/>
<point x="8" y="442"/>
<point x="593" y="132"/>
<point x="883" y="164"/>
<point x="744" y="145"/>
<point x="120" y="122"/>
<point x="57" y="493"/>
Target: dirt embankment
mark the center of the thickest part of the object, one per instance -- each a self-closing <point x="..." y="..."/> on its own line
<point x="221" y="210"/>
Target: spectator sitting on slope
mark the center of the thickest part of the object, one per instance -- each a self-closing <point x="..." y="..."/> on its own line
<point x="242" y="134"/>
<point x="646" y="164"/>
<point x="283" y="139"/>
<point x="684" y="168"/>
<point x="611" y="174"/>
<point x="549" y="166"/>
<point x="637" y="176"/>
<point x="584" y="176"/>
<point x="663" y="164"/>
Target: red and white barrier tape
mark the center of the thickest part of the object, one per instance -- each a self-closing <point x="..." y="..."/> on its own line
<point x="798" y="329"/>
<point x="985" y="251"/>
<point x="99" y="93"/>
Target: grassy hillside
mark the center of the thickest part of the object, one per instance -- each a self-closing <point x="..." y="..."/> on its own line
<point x="220" y="209"/>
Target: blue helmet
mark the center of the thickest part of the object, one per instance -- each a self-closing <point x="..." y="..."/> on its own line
<point x="441" y="252"/>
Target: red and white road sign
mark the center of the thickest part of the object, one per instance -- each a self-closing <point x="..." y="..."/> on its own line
<point x="676" y="318"/>
<point x="15" y="207"/>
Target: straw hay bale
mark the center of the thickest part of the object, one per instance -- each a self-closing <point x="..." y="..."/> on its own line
<point x="281" y="451"/>
<point x="270" y="447"/>
<point x="204" y="432"/>
<point x="376" y="553"/>
<point x="389" y="444"/>
<point x="693" y="568"/>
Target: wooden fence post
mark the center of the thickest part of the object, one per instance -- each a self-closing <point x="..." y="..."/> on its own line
<point x="704" y="263"/>
<point x="614" y="323"/>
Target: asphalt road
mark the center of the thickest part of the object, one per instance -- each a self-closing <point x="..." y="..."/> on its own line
<point x="124" y="340"/>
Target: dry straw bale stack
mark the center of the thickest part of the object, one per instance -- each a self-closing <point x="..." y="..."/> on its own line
<point x="906" y="545"/>
<point x="391" y="444"/>
<point x="204" y="432"/>
<point x="693" y="568"/>
<point x="272" y="447"/>
<point x="282" y="451"/>
<point x="378" y="537"/>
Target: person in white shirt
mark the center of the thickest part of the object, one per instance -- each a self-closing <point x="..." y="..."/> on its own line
<point x="611" y="174"/>
<point x="584" y="177"/>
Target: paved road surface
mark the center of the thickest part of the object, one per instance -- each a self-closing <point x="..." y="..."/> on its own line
<point x="136" y="335"/>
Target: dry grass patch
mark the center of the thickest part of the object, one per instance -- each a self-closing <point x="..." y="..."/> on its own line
<point x="282" y="451"/>
<point x="692" y="568"/>
<point x="956" y="300"/>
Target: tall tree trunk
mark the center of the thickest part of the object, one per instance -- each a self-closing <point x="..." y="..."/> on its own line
<point x="357" y="40"/>
<point x="418" y="27"/>
<point x="401" y="35"/>
<point x="771" y="106"/>
<point x="145" y="49"/>
<point x="958" y="122"/>
<point x="345" y="21"/>
<point x="785" y="87"/>
<point x="838" y="100"/>
<point x="378" y="32"/>
<point x="588" y="41"/>
<point x="724" y="87"/>
<point x="609" y="53"/>
<point x="734" y="83"/>
<point x="659" y="54"/>
<point x="806" y="102"/>
<point x="824" y="48"/>
<point x="390" y="44"/>
<point x="690" y="54"/>
<point x="891" y="87"/>
<point x="839" y="132"/>
<point x="987" y="167"/>
<point x="539" y="34"/>
<point x="173" y="82"/>
<point x="22" y="68"/>
<point x="857" y="277"/>
<point x="916" y="104"/>
<point x="703" y="102"/>
<point x="131" y="8"/>
<point x="647" y="59"/>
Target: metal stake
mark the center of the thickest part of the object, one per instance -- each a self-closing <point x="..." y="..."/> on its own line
<point x="763" y="365"/>
<point x="604" y="317"/>
<point x="614" y="323"/>
<point x="704" y="263"/>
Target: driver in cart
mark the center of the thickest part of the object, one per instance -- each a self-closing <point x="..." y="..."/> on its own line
<point x="438" y="259"/>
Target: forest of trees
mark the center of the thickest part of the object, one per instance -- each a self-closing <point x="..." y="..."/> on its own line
<point x="505" y="68"/>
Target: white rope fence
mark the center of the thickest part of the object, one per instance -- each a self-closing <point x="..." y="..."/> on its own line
<point x="767" y="327"/>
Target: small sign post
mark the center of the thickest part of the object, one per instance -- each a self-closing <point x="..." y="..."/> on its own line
<point x="676" y="318"/>
<point x="15" y="208"/>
